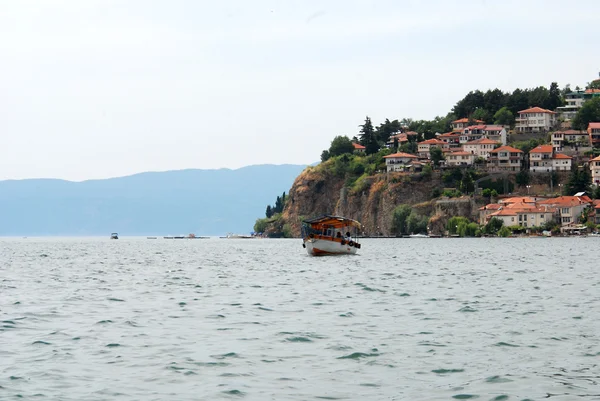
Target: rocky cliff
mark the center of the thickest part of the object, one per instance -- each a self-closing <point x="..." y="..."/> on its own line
<point x="369" y="199"/>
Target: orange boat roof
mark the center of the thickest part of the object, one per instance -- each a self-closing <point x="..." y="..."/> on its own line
<point x="332" y="221"/>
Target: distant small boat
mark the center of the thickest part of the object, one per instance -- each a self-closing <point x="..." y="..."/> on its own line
<point x="418" y="236"/>
<point x="114" y="236"/>
<point x="238" y="236"/>
<point x="151" y="237"/>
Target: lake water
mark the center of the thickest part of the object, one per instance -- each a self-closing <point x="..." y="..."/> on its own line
<point x="406" y="319"/>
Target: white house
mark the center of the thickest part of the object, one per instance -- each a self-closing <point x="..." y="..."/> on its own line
<point x="399" y="161"/>
<point x="573" y="102"/>
<point x="459" y="159"/>
<point x="594" y="133"/>
<point x="461" y="124"/>
<point x="480" y="147"/>
<point x="569" y="207"/>
<point x="595" y="170"/>
<point x="544" y="159"/>
<point x="524" y="214"/>
<point x="506" y="158"/>
<point x="358" y="148"/>
<point x="424" y="147"/>
<point x="494" y="132"/>
<point x="535" y="119"/>
<point x="570" y="138"/>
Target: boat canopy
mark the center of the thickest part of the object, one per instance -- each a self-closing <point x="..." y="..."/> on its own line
<point x="332" y="221"/>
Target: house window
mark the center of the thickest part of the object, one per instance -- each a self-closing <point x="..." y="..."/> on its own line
<point x="565" y="210"/>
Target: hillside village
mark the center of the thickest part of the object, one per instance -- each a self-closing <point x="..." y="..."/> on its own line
<point x="475" y="144"/>
<point x="532" y="174"/>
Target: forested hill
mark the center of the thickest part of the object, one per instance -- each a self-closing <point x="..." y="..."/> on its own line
<point x="204" y="202"/>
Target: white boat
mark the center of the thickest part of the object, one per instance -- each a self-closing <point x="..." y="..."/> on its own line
<point x="418" y="236"/>
<point x="330" y="235"/>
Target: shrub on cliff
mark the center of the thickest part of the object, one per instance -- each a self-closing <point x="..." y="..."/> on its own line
<point x="399" y="217"/>
<point x="361" y="184"/>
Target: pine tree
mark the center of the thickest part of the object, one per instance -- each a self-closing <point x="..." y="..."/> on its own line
<point x="368" y="138"/>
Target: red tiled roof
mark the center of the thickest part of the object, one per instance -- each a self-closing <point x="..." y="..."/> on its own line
<point x="465" y="120"/>
<point x="476" y="127"/>
<point x="518" y="199"/>
<point x="358" y="146"/>
<point x="401" y="155"/>
<point x="596" y="159"/>
<point x="594" y="125"/>
<point x="433" y="142"/>
<point x="494" y="128"/>
<point x="448" y="135"/>
<point x="482" y="141"/>
<point x="506" y="148"/>
<point x="491" y="206"/>
<point x="566" y="201"/>
<point x="536" y="110"/>
<point x="542" y="149"/>
<point x="561" y="156"/>
<point x="571" y="132"/>
<point x="593" y="90"/>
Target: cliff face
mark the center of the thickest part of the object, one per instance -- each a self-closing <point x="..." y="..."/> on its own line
<point x="370" y="200"/>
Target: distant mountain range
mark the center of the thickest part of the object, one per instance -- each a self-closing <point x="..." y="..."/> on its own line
<point x="204" y="202"/>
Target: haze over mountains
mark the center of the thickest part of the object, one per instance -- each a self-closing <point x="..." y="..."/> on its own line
<point x="204" y="202"/>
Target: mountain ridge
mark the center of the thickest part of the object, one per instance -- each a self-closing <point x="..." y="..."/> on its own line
<point x="202" y="201"/>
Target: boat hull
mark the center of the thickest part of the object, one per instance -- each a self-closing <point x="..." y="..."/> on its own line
<point x="321" y="247"/>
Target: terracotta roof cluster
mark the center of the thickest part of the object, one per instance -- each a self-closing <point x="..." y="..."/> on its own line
<point x="567" y="201"/>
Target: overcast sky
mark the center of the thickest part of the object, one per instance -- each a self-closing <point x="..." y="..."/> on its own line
<point x="94" y="89"/>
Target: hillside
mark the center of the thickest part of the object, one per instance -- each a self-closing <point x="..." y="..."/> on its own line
<point x="204" y="202"/>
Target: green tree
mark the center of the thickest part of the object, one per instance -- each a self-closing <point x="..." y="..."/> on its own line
<point x="340" y="145"/>
<point x="427" y="170"/>
<point x="589" y="112"/>
<point x="517" y="101"/>
<point x="504" y="117"/>
<point x="594" y="84"/>
<point x="493" y="226"/>
<point x="481" y="114"/>
<point x="368" y="137"/>
<point x="504" y="232"/>
<point x="466" y="183"/>
<point x="399" y="216"/>
<point x="554" y="99"/>
<point x="522" y="178"/>
<point x="579" y="181"/>
<point x="596" y="192"/>
<point x="386" y="130"/>
<point x="261" y="225"/>
<point x="416" y="224"/>
<point x="325" y="155"/>
<point x="436" y="155"/>
<point x="269" y="211"/>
